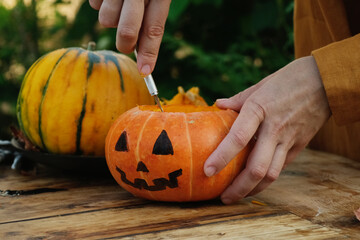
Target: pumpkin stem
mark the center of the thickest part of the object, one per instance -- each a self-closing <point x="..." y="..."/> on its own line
<point x="91" y="46"/>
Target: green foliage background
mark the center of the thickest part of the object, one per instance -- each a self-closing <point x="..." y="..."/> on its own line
<point x="222" y="46"/>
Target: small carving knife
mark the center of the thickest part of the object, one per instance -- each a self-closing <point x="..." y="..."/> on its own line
<point x="151" y="87"/>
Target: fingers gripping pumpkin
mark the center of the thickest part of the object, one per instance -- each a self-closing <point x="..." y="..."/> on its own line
<point x="160" y="155"/>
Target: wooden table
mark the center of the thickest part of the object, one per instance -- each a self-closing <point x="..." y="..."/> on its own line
<point x="314" y="198"/>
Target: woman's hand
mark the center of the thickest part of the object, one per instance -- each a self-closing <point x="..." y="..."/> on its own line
<point x="283" y="111"/>
<point x="139" y="22"/>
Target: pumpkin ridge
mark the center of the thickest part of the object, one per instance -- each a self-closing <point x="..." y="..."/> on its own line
<point x="191" y="158"/>
<point x="20" y="99"/>
<point x="29" y="117"/>
<point x="234" y="161"/>
<point x="79" y="124"/>
<point x="43" y="96"/>
<point x="92" y="58"/>
<point x="137" y="149"/>
<point x="80" y="51"/>
<point x="127" y="66"/>
<point x="223" y="121"/>
<point x="115" y="60"/>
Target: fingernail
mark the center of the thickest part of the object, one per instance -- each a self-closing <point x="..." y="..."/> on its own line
<point x="210" y="171"/>
<point x="221" y="100"/>
<point x="145" y="70"/>
<point x="226" y="200"/>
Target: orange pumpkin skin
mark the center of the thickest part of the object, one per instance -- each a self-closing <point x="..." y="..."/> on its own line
<point x="192" y="133"/>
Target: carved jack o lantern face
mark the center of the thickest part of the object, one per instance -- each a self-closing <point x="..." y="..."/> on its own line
<point x="162" y="146"/>
<point x="161" y="155"/>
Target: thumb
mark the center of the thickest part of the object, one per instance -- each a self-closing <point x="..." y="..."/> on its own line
<point x="235" y="102"/>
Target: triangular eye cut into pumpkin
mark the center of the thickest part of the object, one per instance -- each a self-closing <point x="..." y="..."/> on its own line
<point x="121" y="144"/>
<point x="163" y="145"/>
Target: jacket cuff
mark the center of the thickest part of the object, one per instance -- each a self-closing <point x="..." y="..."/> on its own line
<point x="339" y="67"/>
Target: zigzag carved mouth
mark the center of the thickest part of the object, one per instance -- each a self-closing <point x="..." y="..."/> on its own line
<point x="159" y="183"/>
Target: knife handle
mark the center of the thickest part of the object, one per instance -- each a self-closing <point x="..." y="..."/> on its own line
<point x="151" y="85"/>
<point x="149" y="81"/>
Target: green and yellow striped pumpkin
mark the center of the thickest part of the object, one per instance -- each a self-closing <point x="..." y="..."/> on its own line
<point x="70" y="97"/>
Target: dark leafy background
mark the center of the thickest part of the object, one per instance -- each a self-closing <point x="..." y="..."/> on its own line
<point x="222" y="46"/>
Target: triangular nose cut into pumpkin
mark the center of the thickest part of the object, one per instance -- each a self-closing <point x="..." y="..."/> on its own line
<point x="141" y="167"/>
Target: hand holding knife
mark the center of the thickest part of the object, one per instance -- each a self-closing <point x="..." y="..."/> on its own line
<point x="150" y="83"/>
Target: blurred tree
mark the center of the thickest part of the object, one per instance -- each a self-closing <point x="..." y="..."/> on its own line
<point x="18" y="49"/>
<point x="222" y="46"/>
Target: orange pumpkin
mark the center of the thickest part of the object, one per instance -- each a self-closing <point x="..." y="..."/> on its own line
<point x="160" y="155"/>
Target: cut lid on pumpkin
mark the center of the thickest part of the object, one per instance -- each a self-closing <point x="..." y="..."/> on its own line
<point x="191" y="97"/>
<point x="185" y="102"/>
<point x="180" y="108"/>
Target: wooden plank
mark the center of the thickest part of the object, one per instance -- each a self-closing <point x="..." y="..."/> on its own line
<point x="51" y="178"/>
<point x="131" y="220"/>
<point x="54" y="193"/>
<point x="320" y="187"/>
<point x="70" y="201"/>
<point x="286" y="226"/>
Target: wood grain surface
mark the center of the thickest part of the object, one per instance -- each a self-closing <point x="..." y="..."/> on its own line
<point x="314" y="198"/>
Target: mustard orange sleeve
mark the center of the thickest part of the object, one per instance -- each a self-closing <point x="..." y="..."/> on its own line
<point x="339" y="66"/>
